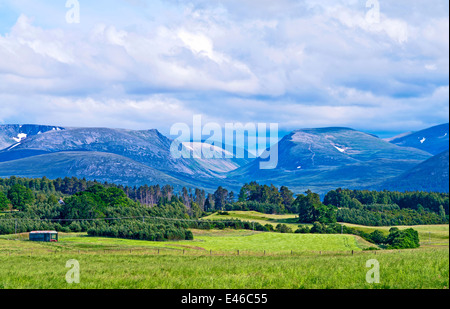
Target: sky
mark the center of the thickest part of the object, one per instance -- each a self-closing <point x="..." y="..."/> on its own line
<point x="375" y="66"/>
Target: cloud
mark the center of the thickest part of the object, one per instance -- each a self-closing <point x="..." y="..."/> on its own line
<point x="299" y="63"/>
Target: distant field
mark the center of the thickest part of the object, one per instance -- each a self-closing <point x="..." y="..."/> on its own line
<point x="290" y="220"/>
<point x="428" y="234"/>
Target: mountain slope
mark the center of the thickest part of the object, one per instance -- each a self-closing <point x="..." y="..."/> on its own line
<point x="98" y="166"/>
<point x="317" y="159"/>
<point x="219" y="160"/>
<point x="326" y="158"/>
<point x="148" y="149"/>
<point x="431" y="175"/>
<point x="14" y="133"/>
<point x="433" y="140"/>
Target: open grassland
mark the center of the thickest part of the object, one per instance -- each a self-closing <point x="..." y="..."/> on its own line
<point x="212" y="261"/>
<point x="206" y="242"/>
<point x="38" y="267"/>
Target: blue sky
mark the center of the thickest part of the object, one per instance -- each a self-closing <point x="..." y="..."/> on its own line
<point x="149" y="64"/>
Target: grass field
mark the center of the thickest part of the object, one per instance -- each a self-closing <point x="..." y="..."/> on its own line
<point x="108" y="263"/>
<point x="227" y="259"/>
<point x="428" y="234"/>
<point x="422" y="268"/>
<point x="254" y="216"/>
<point x="218" y="241"/>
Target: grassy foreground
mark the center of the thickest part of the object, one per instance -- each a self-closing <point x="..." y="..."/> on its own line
<point x="127" y="264"/>
<point x="398" y="270"/>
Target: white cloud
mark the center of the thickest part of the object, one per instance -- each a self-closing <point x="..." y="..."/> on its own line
<point x="293" y="62"/>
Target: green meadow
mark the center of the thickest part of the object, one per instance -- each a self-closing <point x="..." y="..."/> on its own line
<point x="254" y="216"/>
<point x="211" y="261"/>
<point x="422" y="268"/>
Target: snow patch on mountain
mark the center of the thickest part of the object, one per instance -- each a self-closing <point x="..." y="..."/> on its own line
<point x="339" y="149"/>
<point x="199" y="149"/>
<point x="20" y="137"/>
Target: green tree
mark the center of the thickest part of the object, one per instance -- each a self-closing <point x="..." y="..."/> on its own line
<point x="287" y="197"/>
<point x="311" y="209"/>
<point x="441" y="211"/>
<point x="220" y="198"/>
<point x="20" y="196"/>
<point x="242" y="195"/>
<point x="4" y="202"/>
<point x="378" y="237"/>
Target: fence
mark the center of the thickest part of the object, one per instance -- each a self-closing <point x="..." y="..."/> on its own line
<point x="48" y="250"/>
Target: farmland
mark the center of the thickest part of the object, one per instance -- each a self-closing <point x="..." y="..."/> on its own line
<point x="211" y="261"/>
<point x="254" y="216"/>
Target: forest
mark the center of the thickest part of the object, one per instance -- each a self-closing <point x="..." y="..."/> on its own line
<point x="159" y="213"/>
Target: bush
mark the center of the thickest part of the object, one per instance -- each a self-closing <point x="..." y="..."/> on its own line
<point x="283" y="228"/>
<point x="303" y="229"/>
<point x="404" y="239"/>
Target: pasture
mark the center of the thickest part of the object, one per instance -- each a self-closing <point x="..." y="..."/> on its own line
<point x="291" y="261"/>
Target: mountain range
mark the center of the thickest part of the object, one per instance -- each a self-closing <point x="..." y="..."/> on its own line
<point x="319" y="159"/>
<point x="433" y="140"/>
<point x="324" y="158"/>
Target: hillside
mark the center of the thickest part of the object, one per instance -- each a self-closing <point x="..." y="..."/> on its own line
<point x="126" y="157"/>
<point x="320" y="159"/>
<point x="433" y="140"/>
<point x="103" y="167"/>
<point x="12" y="134"/>
<point x="431" y="175"/>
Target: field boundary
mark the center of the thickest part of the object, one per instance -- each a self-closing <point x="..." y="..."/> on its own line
<point x="184" y="252"/>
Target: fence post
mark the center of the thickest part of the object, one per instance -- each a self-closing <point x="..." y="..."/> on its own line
<point x="238" y="252"/>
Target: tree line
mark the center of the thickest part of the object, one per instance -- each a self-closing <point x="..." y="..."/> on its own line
<point x="352" y="206"/>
